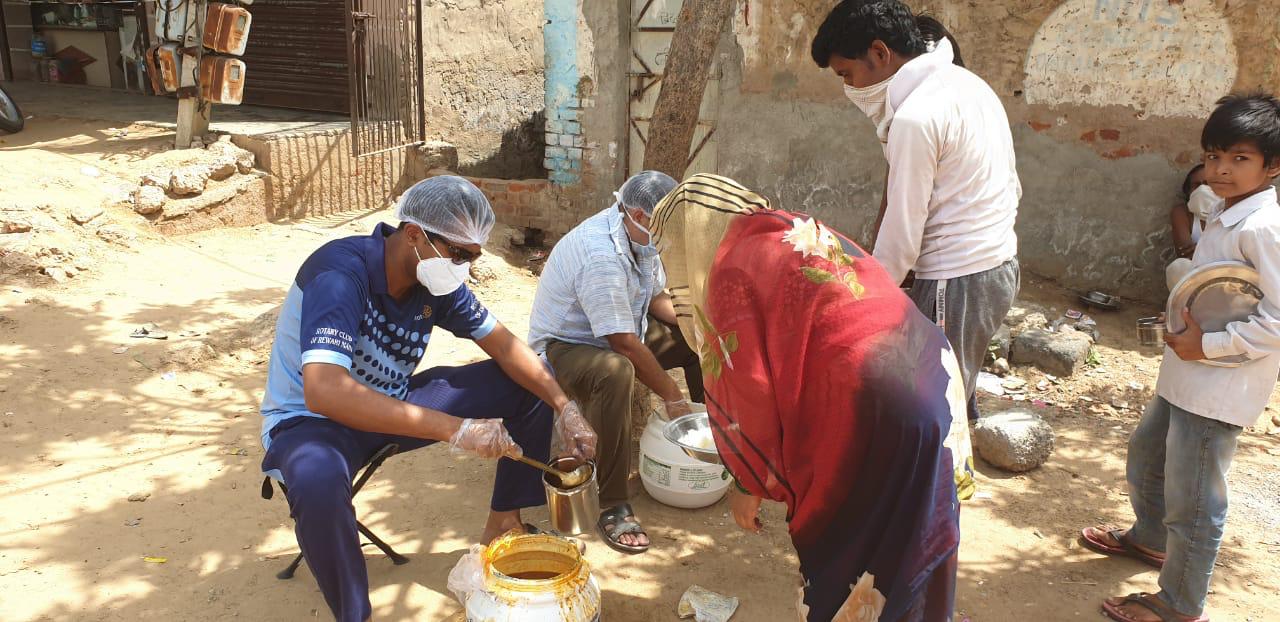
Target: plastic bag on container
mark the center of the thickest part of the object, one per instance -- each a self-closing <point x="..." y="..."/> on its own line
<point x="704" y="605"/>
<point x="467" y="577"/>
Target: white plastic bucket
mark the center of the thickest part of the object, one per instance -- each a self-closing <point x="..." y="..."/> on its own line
<point x="671" y="477"/>
<point x="535" y="579"/>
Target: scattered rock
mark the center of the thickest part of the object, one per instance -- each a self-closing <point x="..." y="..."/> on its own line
<point x="189" y="353"/>
<point x="58" y="274"/>
<point x="482" y="271"/>
<point x="1018" y="314"/>
<point x="189" y="180"/>
<point x="1000" y="344"/>
<point x="82" y="214"/>
<point x="516" y="237"/>
<point x="1032" y="321"/>
<point x="1017" y="440"/>
<point x="116" y="234"/>
<point x="139" y="497"/>
<point x="241" y="159"/>
<point x="222" y="168"/>
<point x="1001" y="366"/>
<point x="13" y="221"/>
<point x="148" y="200"/>
<point x="155" y="179"/>
<point x="1057" y="353"/>
<point x="258" y="334"/>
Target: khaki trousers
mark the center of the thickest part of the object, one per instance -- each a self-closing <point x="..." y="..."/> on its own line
<point x="601" y="382"/>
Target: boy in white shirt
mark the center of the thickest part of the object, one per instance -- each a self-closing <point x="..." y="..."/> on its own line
<point x="1182" y="449"/>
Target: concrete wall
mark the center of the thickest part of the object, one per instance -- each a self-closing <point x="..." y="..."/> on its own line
<point x="1106" y="99"/>
<point x="312" y="175"/>
<point x="484" y="83"/>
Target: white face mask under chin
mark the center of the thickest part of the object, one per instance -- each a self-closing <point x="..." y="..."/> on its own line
<point x="440" y="276"/>
<point x="873" y="101"/>
<point x="1203" y="202"/>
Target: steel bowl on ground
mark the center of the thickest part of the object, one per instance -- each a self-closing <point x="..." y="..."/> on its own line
<point x="1100" y="300"/>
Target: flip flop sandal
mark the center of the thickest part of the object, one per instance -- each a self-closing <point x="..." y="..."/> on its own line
<point x="149" y="331"/>
<point x="1153" y="604"/>
<point x="1090" y="538"/>
<point x="616" y="522"/>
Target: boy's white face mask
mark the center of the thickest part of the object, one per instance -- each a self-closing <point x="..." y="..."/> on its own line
<point x="873" y="101"/>
<point x="1203" y="202"/>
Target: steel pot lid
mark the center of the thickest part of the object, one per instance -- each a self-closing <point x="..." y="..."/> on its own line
<point x="1217" y="294"/>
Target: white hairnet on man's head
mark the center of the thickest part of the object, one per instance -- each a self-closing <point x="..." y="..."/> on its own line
<point x="450" y="207"/>
<point x="645" y="190"/>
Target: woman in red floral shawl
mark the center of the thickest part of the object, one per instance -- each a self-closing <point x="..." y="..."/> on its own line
<point x="828" y="391"/>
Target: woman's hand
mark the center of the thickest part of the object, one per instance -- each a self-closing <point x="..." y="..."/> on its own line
<point x="746" y="511"/>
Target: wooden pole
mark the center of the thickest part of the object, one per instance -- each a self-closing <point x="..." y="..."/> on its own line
<point x="193" y="118"/>
<point x="675" y="115"/>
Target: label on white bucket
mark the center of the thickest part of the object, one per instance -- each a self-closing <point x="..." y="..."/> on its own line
<point x="683" y="477"/>
<point x="700" y="478"/>
<point x="660" y="473"/>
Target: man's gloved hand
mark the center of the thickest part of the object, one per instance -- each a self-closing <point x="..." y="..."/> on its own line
<point x="677" y="409"/>
<point x="486" y="438"/>
<point x="574" y="433"/>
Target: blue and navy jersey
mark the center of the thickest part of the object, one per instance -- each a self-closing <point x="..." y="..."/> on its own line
<point x="338" y="312"/>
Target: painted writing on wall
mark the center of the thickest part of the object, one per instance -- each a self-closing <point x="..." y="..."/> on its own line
<point x="1161" y="58"/>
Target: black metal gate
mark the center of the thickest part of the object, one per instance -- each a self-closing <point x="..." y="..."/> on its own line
<point x="384" y="52"/>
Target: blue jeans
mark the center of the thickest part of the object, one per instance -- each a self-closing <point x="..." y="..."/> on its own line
<point x="1177" y="472"/>
<point x="318" y="458"/>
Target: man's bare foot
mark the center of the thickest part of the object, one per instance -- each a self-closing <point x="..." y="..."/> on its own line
<point x="621" y="530"/>
<point x="500" y="523"/>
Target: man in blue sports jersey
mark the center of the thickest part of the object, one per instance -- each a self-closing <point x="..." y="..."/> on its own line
<point x="353" y="329"/>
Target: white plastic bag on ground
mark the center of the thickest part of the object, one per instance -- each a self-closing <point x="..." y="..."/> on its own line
<point x="467" y="577"/>
<point x="706" y="606"/>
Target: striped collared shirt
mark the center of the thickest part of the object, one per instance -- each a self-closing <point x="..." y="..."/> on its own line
<point x="593" y="286"/>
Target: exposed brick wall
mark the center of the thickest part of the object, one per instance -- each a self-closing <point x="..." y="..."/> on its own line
<point x="534" y="203"/>
<point x="564" y="143"/>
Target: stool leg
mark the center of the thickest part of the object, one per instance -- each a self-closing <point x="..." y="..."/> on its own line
<point x="396" y="558"/>
<point x="287" y="573"/>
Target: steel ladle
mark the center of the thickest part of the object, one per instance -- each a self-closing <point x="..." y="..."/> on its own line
<point x="568" y="479"/>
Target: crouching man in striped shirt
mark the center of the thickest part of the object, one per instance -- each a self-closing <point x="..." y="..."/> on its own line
<point x="603" y="321"/>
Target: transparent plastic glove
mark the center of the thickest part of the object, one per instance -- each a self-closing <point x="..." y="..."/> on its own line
<point x="467" y="577"/>
<point x="864" y="604"/>
<point x="677" y="409"/>
<point x="573" y="434"/>
<point x="486" y="438"/>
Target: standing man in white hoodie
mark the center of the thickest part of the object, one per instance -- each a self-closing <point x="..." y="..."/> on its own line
<point x="953" y="190"/>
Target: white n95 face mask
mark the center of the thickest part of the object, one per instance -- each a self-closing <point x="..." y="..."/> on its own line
<point x="1203" y="202"/>
<point x="441" y="276"/>
<point x="873" y="101"/>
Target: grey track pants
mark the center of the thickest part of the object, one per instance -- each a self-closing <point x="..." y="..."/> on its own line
<point x="974" y="306"/>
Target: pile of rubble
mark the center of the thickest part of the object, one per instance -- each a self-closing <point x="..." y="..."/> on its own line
<point x="223" y="160"/>
<point x="1019" y="439"/>
<point x="59" y="238"/>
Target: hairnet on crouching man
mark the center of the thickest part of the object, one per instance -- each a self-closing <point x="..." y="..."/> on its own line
<point x="450" y="207"/>
<point x="645" y="190"/>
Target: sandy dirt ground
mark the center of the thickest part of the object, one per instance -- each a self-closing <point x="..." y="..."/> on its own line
<point x="93" y="418"/>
